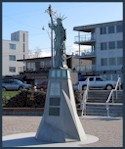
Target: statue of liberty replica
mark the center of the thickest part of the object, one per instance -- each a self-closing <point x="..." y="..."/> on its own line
<point x="60" y="122"/>
<point x="59" y="41"/>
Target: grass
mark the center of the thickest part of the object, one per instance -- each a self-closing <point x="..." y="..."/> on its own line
<point x="9" y="94"/>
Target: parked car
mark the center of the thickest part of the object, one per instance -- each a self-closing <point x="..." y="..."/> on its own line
<point x="42" y="85"/>
<point x="95" y="82"/>
<point x="14" y="84"/>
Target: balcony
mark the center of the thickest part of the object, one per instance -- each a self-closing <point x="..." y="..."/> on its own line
<point x="87" y="39"/>
<point x="85" y="68"/>
<point x="86" y="54"/>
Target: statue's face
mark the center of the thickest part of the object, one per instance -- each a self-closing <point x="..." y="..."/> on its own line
<point x="59" y="21"/>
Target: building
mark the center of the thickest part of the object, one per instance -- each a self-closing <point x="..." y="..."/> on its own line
<point x="37" y="69"/>
<point x="104" y="43"/>
<point x="16" y="48"/>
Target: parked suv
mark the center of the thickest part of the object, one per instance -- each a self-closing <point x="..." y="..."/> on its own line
<point x="14" y="84"/>
<point x="95" y="82"/>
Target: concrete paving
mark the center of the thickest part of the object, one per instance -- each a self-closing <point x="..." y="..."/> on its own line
<point x="108" y="130"/>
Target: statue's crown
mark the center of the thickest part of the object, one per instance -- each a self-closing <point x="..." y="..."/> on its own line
<point x="60" y="17"/>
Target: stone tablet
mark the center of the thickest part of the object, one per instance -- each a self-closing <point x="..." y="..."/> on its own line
<point x="55" y="89"/>
<point x="54" y="111"/>
<point x="54" y="101"/>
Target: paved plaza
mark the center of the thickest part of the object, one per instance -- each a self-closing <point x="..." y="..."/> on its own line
<point x="108" y="130"/>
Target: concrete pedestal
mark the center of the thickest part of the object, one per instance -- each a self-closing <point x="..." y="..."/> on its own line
<point x="60" y="122"/>
<point x="60" y="125"/>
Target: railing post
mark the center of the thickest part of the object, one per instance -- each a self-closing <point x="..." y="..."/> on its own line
<point x="116" y="94"/>
<point x="113" y="97"/>
<point x="107" y="109"/>
<point x="85" y="97"/>
<point x="83" y="107"/>
<point x="118" y="87"/>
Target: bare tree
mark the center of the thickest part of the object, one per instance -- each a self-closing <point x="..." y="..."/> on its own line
<point x="37" y="52"/>
<point x="30" y="54"/>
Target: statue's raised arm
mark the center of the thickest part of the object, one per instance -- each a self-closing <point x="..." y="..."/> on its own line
<point x="50" y="14"/>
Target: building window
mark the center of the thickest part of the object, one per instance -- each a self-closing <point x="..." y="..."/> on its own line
<point x="31" y="66"/>
<point x="42" y="64"/>
<point x="103" y="45"/>
<point x="12" y="69"/>
<point x="24" y="68"/>
<point x="119" y="28"/>
<point x="119" y="60"/>
<point x="12" y="57"/>
<point x="28" y="66"/>
<point x="119" y="44"/>
<point x="104" y="62"/>
<point x="112" y="45"/>
<point x="111" y="29"/>
<point x="23" y="56"/>
<point x="23" y="47"/>
<point x="12" y="46"/>
<point x="112" y="61"/>
<point x="103" y="30"/>
<point x="48" y="64"/>
<point x="23" y="37"/>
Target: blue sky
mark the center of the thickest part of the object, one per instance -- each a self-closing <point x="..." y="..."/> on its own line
<point x="31" y="17"/>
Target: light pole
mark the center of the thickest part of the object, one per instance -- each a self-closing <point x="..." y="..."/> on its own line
<point x="51" y="12"/>
<point x="52" y="49"/>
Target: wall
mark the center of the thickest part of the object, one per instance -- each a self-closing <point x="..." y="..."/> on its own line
<point x="107" y="53"/>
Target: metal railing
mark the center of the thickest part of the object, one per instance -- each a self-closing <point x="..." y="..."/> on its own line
<point x="84" y="38"/>
<point x="85" y="97"/>
<point x="118" y="86"/>
<point x="111" y="95"/>
<point x="86" y="52"/>
<point x="107" y="103"/>
<point x="84" y="68"/>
